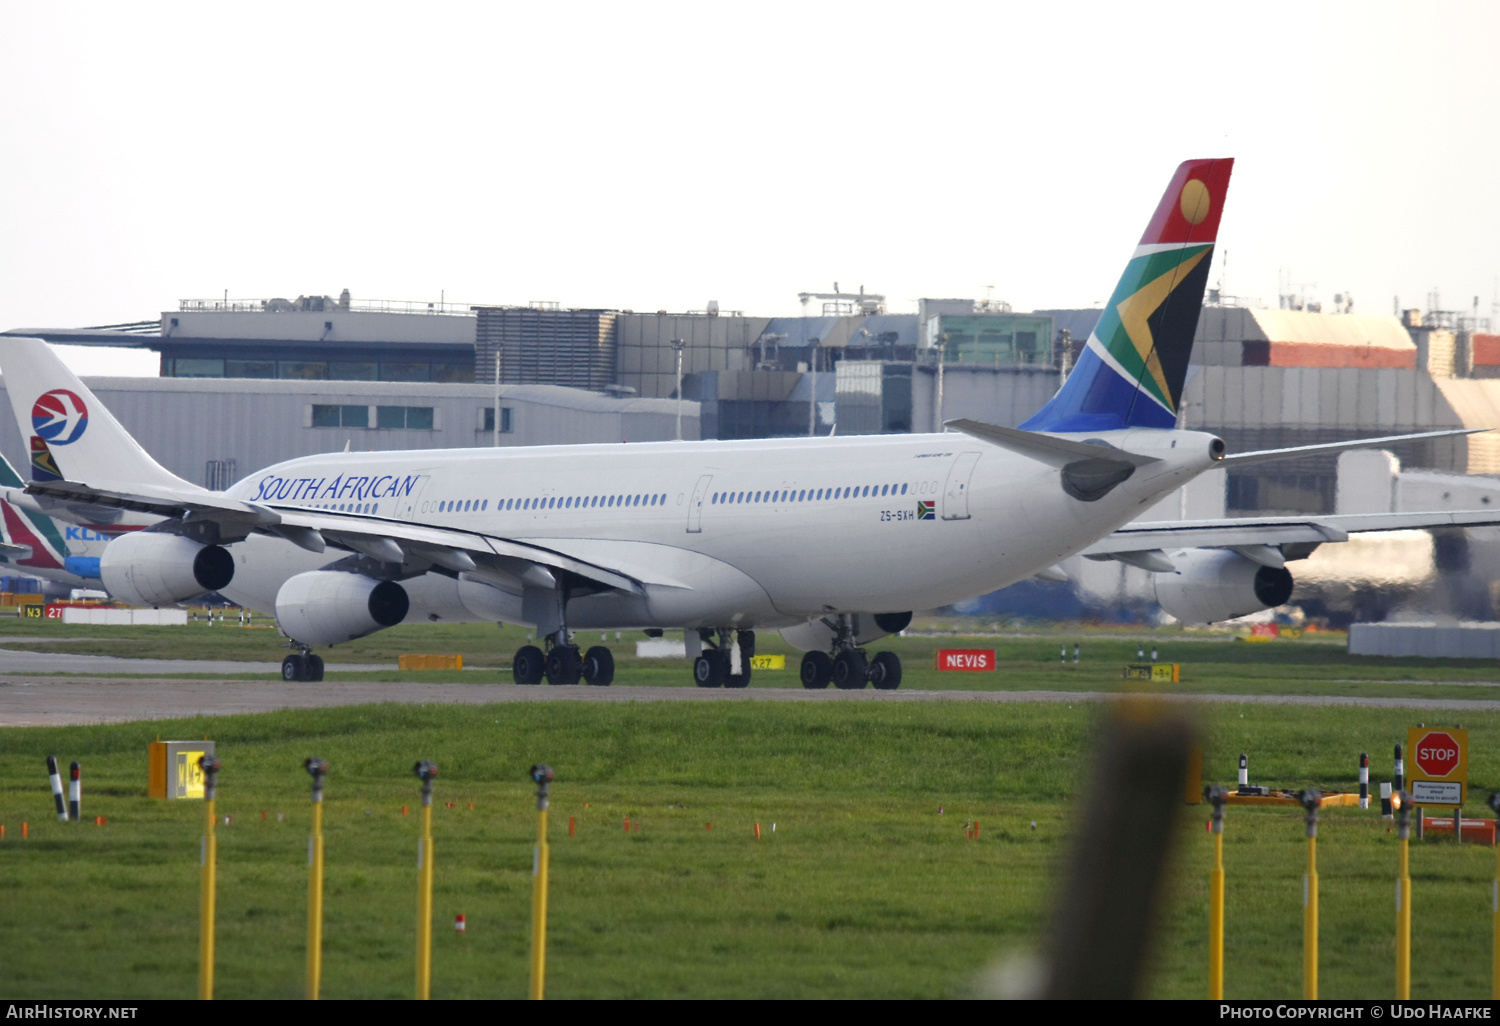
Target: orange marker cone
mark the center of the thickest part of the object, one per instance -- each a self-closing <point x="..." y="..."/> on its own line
<point x="471" y="806"/>
<point x="570" y="826"/>
<point x="2" y="831"/>
<point x="25" y="830"/>
<point x="757" y="831"/>
<point x="710" y="827"/>
<point x="99" y="821"/>
<point x="262" y="815"/>
<point x="627" y="824"/>
<point x="403" y="810"/>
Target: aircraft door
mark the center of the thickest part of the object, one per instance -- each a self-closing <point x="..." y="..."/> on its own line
<point x="695" y="508"/>
<point x="956" y="495"/>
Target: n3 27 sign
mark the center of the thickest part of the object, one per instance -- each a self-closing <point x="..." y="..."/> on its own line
<point x="1437" y="765"/>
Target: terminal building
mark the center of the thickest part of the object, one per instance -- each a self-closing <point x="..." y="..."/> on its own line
<point x="418" y="374"/>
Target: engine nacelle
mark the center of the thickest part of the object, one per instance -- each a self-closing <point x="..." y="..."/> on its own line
<point x="326" y="607"/>
<point x="149" y="568"/>
<point x="1217" y="584"/>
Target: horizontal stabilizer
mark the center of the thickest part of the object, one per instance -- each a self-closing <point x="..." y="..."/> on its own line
<point x="1268" y="455"/>
<point x="1047" y="449"/>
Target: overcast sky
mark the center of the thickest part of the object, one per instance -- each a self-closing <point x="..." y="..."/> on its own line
<point x="651" y="156"/>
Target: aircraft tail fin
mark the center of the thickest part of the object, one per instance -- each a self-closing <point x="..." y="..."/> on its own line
<point x="69" y="432"/>
<point x="35" y="533"/>
<point x="1132" y="371"/>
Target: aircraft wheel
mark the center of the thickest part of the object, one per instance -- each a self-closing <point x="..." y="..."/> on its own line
<point x="710" y="669"/>
<point x="599" y="666"/>
<point x="291" y="668"/>
<point x="563" y="665"/>
<point x="850" y="670"/>
<point x="817" y="670"/>
<point x="526" y="667"/>
<point x="738" y="680"/>
<point x="314" y="667"/>
<point x="885" y="671"/>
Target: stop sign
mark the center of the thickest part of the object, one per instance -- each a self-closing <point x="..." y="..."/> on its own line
<point x="1436" y="754"/>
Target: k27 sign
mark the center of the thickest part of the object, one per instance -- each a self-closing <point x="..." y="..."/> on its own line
<point x="1438" y="764"/>
<point x="972" y="660"/>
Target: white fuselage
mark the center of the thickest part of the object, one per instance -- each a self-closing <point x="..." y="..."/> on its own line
<point x="729" y="533"/>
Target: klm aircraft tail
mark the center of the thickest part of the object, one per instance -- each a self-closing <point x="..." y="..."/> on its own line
<point x="22" y="530"/>
<point x="1132" y="371"/>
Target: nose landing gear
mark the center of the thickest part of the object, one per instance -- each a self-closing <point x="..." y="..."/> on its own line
<point x="303" y="666"/>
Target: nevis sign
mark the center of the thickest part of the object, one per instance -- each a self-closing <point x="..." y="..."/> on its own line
<point x="1438" y="765"/>
<point x="971" y="660"/>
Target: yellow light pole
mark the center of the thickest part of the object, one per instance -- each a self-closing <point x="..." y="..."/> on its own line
<point x="542" y="774"/>
<point x="1310" y="801"/>
<point x="1403" y="900"/>
<point x="318" y="768"/>
<point x="210" y="857"/>
<point x="1215" y="796"/>
<point x="428" y="773"/>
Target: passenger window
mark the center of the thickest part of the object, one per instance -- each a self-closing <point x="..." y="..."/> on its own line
<point x="883" y="489"/>
<point x="903" y="489"/>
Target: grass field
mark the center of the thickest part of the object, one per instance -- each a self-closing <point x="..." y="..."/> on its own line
<point x="863" y="890"/>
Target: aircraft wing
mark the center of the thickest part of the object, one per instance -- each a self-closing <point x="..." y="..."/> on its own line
<point x="1230" y="532"/>
<point x="396" y="541"/>
<point x="209" y="505"/>
<point x="416" y="547"/>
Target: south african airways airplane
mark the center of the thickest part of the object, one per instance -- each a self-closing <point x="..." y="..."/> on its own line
<point x="831" y="541"/>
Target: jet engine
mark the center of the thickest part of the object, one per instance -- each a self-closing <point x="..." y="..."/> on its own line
<point x="326" y="607"/>
<point x="149" y="568"/>
<point x="1210" y="585"/>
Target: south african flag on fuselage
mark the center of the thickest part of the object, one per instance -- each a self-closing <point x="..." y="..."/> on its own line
<point x="926" y="511"/>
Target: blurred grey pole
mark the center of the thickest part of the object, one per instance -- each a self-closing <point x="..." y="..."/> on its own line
<point x="1107" y="908"/>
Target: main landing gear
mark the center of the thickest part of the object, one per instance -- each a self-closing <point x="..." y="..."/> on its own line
<point x="303" y="666"/>
<point x="563" y="663"/>
<point x="720" y="665"/>
<point x="849" y="669"/>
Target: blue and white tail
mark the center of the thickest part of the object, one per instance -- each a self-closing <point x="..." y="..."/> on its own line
<point x="1132" y="371"/>
<point x="69" y="433"/>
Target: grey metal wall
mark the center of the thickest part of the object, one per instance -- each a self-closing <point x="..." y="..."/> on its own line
<point x="187" y="422"/>
<point x="558" y="347"/>
<point x="1006" y="396"/>
<point x="646" y="362"/>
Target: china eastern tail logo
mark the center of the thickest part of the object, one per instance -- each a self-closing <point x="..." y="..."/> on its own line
<point x="59" y="417"/>
<point x="926" y="511"/>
